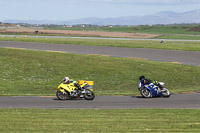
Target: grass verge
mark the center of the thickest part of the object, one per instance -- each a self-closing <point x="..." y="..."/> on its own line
<point x="26" y="72"/>
<point x="179" y="36"/>
<point x="169" y="45"/>
<point x="94" y="120"/>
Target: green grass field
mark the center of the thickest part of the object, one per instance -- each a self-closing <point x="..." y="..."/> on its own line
<point x="189" y="32"/>
<point x="169" y="45"/>
<point x="179" y="36"/>
<point x="162" y="29"/>
<point x="94" y="120"/>
<point x="165" y="31"/>
<point x="26" y="72"/>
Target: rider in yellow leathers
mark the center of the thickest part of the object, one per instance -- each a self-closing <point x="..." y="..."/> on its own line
<point x="66" y="80"/>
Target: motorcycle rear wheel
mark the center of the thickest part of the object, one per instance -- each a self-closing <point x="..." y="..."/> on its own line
<point x="90" y="95"/>
<point x="146" y="93"/>
<point x="62" y="96"/>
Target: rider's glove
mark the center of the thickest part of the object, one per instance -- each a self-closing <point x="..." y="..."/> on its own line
<point x="155" y="82"/>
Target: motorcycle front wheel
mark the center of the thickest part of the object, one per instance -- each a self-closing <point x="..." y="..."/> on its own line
<point x="165" y="92"/>
<point x="89" y="95"/>
<point x="62" y="96"/>
<point x="145" y="93"/>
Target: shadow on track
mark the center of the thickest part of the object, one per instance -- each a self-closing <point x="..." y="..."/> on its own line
<point x="146" y="98"/>
<point x="74" y="99"/>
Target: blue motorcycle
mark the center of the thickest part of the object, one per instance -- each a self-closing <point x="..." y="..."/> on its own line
<point x="152" y="90"/>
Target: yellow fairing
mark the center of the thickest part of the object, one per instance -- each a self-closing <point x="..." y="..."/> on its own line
<point x="82" y="85"/>
<point x="84" y="82"/>
<point x="68" y="87"/>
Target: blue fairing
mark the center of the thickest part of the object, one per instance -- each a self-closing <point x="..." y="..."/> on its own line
<point x="154" y="91"/>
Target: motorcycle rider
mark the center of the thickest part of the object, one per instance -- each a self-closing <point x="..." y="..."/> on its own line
<point x="144" y="81"/>
<point x="66" y="80"/>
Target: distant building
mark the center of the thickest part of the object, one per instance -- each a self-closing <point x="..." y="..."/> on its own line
<point x="68" y="26"/>
<point x="85" y="25"/>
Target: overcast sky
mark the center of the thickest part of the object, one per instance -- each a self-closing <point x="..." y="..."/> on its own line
<point x="75" y="9"/>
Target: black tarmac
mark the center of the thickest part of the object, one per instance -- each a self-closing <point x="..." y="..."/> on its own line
<point x="182" y="57"/>
<point x="190" y="101"/>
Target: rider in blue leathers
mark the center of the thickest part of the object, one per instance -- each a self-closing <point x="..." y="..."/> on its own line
<point x="144" y="81"/>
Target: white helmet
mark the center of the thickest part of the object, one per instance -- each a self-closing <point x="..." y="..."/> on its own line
<point x="66" y="79"/>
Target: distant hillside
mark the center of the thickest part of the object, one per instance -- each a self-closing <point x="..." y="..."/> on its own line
<point x="166" y="17"/>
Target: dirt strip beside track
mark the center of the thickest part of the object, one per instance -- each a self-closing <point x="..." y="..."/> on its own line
<point x="80" y="33"/>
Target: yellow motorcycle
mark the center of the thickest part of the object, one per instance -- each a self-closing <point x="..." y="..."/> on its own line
<point x="69" y="91"/>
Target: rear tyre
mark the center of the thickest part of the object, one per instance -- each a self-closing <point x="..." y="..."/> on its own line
<point x="145" y="92"/>
<point x="62" y="96"/>
<point x="89" y="95"/>
<point x="165" y="92"/>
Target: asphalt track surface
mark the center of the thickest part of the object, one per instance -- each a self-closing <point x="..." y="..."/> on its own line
<point x="182" y="57"/>
<point x="107" y="102"/>
<point x="190" y="101"/>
